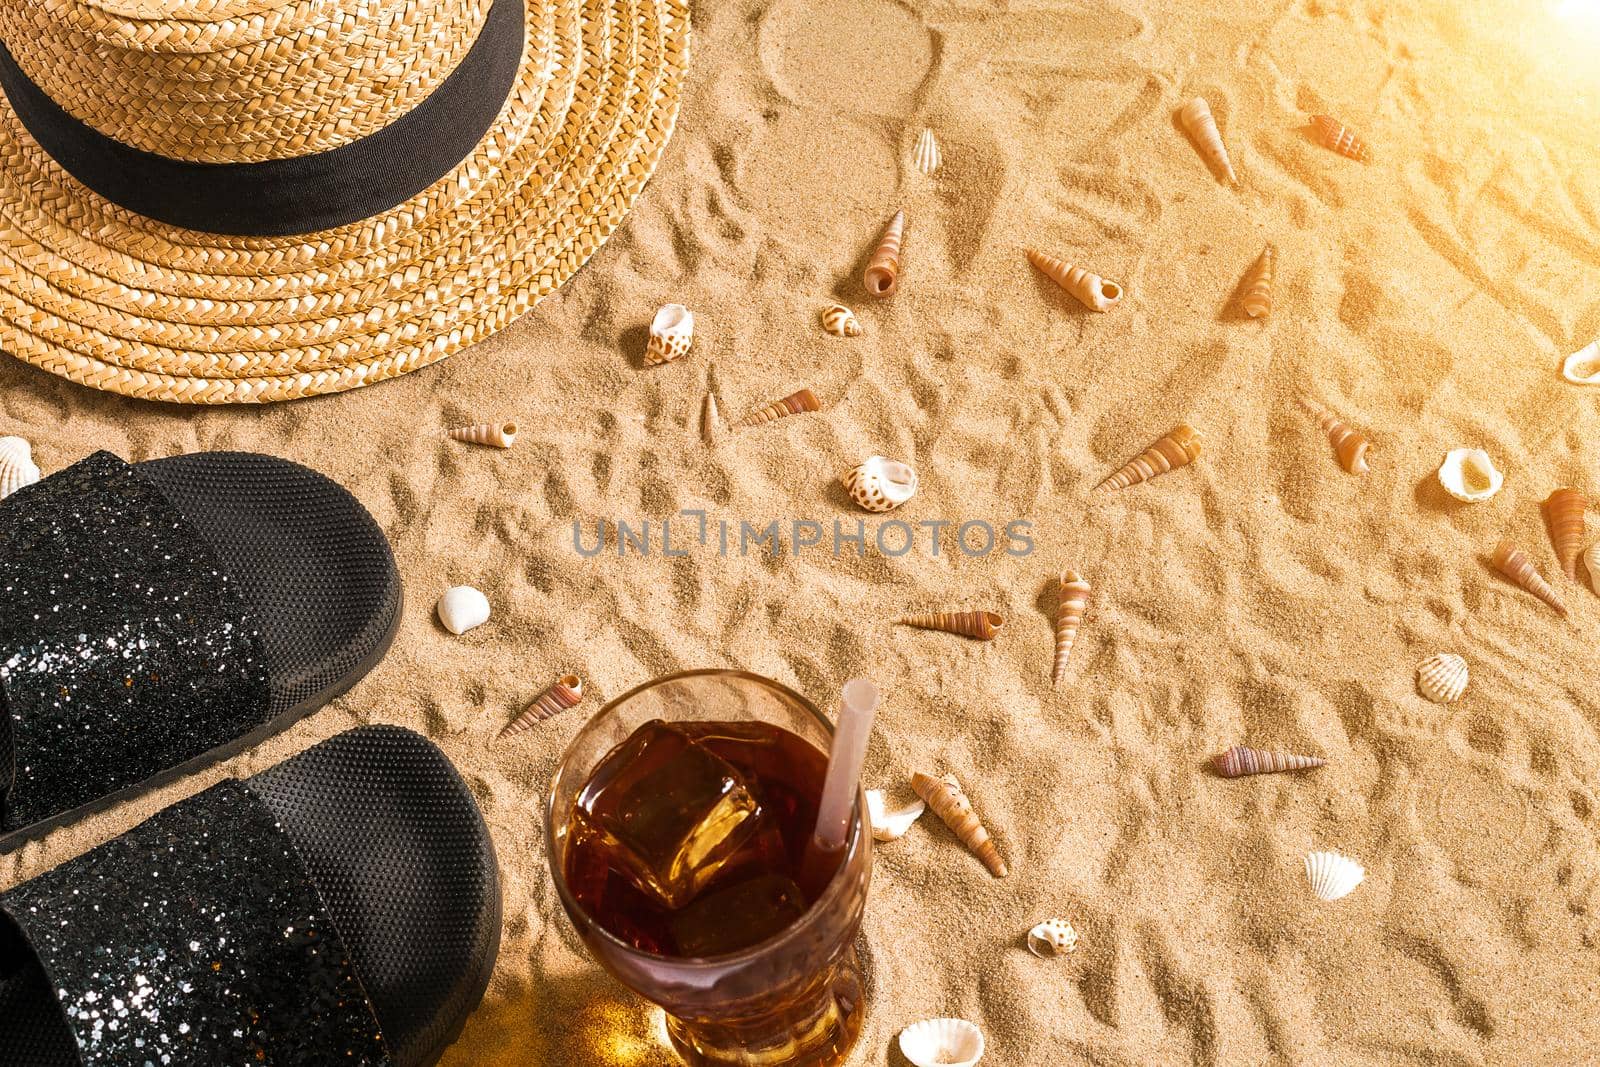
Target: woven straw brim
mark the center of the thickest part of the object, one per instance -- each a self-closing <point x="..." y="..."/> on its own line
<point x="104" y="297"/>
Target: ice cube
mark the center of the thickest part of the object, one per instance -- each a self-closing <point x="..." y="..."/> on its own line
<point x="737" y="917"/>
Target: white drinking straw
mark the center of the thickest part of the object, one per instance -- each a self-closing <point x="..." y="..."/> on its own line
<point x="858" y="703"/>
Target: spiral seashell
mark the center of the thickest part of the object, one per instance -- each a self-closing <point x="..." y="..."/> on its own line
<point x="1341" y="138"/>
<point x="1563" y="515"/>
<point x="461" y="608"/>
<point x="708" y="418"/>
<point x="880" y="484"/>
<point x="978" y="625"/>
<point x="948" y="802"/>
<point x="888" y="825"/>
<point x="1442" y="677"/>
<point x="565" y="692"/>
<point x="1583" y="366"/>
<point x="1258" y="284"/>
<point x="17" y="468"/>
<point x="926" y="157"/>
<point x="495" y="434"/>
<point x="1053" y="937"/>
<point x="840" y="321"/>
<point x="1176" y="449"/>
<point x="1349" y="445"/>
<point x="1241" y="760"/>
<point x="1468" y="474"/>
<point x="1072" y="597"/>
<point x="942" y="1043"/>
<point x="793" y="404"/>
<point x="1514" y="563"/>
<point x="671" y="334"/>
<point x="1333" y="876"/>
<point x="883" y="269"/>
<point x="1093" y="291"/>
<point x="1197" y="119"/>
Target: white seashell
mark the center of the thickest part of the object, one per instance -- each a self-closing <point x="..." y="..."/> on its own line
<point x="1583" y="366"/>
<point x="1053" y="937"/>
<point x="942" y="1043"/>
<point x="1468" y="474"/>
<point x="17" y="468"/>
<point x="1591" y="560"/>
<point x="1333" y="876"/>
<point x="671" y="334"/>
<point x="888" y="825"/>
<point x="926" y="155"/>
<point x="1442" y="678"/>
<point x="880" y="484"/>
<point x="461" y="608"/>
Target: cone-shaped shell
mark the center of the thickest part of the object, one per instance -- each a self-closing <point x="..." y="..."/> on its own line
<point x="1442" y="677"/>
<point x="671" y="334"/>
<point x="1563" y="516"/>
<point x="1176" y="449"/>
<point x="1072" y="597"/>
<point x="1198" y="120"/>
<point x="1241" y="760"/>
<point x="979" y="625"/>
<point x="1053" y="937"/>
<point x="926" y="157"/>
<point x="1341" y="138"/>
<point x="1514" y="563"/>
<point x="880" y="484"/>
<point x="948" y="802"/>
<point x="793" y="404"/>
<point x="564" y="693"/>
<point x="883" y="269"/>
<point x="1348" y="444"/>
<point x="942" y="1043"/>
<point x="1258" y="284"/>
<point x="17" y="468"/>
<point x="1333" y="876"/>
<point x="495" y="434"/>
<point x="840" y="321"/>
<point x="1092" y="290"/>
<point x="1583" y="366"/>
<point x="708" y="418"/>
<point x="1468" y="474"/>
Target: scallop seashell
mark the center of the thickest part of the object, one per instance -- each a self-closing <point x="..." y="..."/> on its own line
<point x="1349" y="445"/>
<point x="671" y="334"/>
<point x="1563" y="515"/>
<point x="565" y="692"/>
<point x="1072" y="597"/>
<point x="1333" y="876"/>
<point x="1178" y="448"/>
<point x="17" y="468"/>
<point x="1591" y="562"/>
<point x="1241" y="760"/>
<point x="886" y="824"/>
<point x="979" y="625"/>
<point x="950" y="803"/>
<point x="840" y="321"/>
<point x="1514" y="563"/>
<point x="883" y="269"/>
<point x="461" y="608"/>
<point x="495" y="434"/>
<point x="880" y="484"/>
<point x="1093" y="291"/>
<point x="1259" y="282"/>
<point x="708" y="418"/>
<point x="793" y="404"/>
<point x="1053" y="937"/>
<point x="1341" y="138"/>
<point x="1198" y="120"/>
<point x="1583" y="366"/>
<point x="942" y="1043"/>
<point x="1468" y="474"/>
<point x="1442" y="677"/>
<point x="926" y="156"/>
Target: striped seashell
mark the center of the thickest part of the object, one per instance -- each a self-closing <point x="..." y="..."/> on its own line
<point x="1333" y="876"/>
<point x="1341" y="138"/>
<point x="880" y="484"/>
<point x="942" y="1043"/>
<point x="1563" y="515"/>
<point x="978" y="625"/>
<point x="1053" y="937"/>
<point x="926" y="157"/>
<point x="1442" y="677"/>
<point x="1198" y="120"/>
<point x="948" y="802"/>
<point x="794" y="404"/>
<point x="1072" y="597"/>
<point x="840" y="321"/>
<point x="1468" y="474"/>
<point x="495" y="434"/>
<point x="565" y="692"/>
<point x="1241" y="760"/>
<point x="1583" y="366"/>
<point x="1514" y="563"/>
<point x="1349" y="445"/>
<point x="1258" y="284"/>
<point x="1093" y="291"/>
<point x="882" y="275"/>
<point x="708" y="418"/>
<point x="1178" y="448"/>
<point x="671" y="334"/>
<point x="17" y="468"/>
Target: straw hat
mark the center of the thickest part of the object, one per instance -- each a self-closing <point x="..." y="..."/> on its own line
<point x="222" y="201"/>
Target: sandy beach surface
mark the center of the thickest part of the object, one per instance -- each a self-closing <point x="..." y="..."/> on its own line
<point x="1261" y="595"/>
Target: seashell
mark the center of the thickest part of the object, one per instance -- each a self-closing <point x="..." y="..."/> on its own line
<point x="1563" y="516"/>
<point x="942" y="1043"/>
<point x="888" y="825"/>
<point x="1591" y="560"/>
<point x="461" y="608"/>
<point x="565" y="692"/>
<point x="1333" y="876"/>
<point x="1349" y="445"/>
<point x="1514" y="563"/>
<point x="1258" y="284"/>
<point x="1053" y="937"/>
<point x="17" y="468"/>
<point x="948" y="802"/>
<point x="883" y="269"/>
<point x="708" y="418"/>
<point x="840" y="321"/>
<point x="1583" y="366"/>
<point x="1341" y="138"/>
<point x="880" y="484"/>
<point x="671" y="334"/>
<point x="979" y="625"/>
<point x="793" y="404"/>
<point x="1072" y="596"/>
<point x="1241" y="760"/>
<point x="926" y="156"/>
<point x="1176" y="449"/>
<point x="1442" y="677"/>
<point x="1197" y="119"/>
<point x="1468" y="474"/>
<point x="1093" y="291"/>
<point x="497" y="434"/>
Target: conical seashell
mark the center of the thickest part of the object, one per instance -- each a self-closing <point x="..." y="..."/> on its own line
<point x="1583" y="366"/>
<point x="497" y="434"/>
<point x="793" y="404"/>
<point x="708" y="418"/>
<point x="1563" y="516"/>
<point x="1197" y="119"/>
<point x="1468" y="474"/>
<point x="840" y="321"/>
<point x="980" y="625"/>
<point x="1341" y="138"/>
<point x="1591" y="563"/>
<point x="1092" y="290"/>
<point x="461" y="608"/>
<point x="883" y="269"/>
<point x="17" y="468"/>
<point x="1349" y="445"/>
<point x="948" y="802"/>
<point x="942" y="1043"/>
<point x="1333" y="876"/>
<point x="1241" y="760"/>
<point x="671" y="334"/>
<point x="1072" y="596"/>
<point x="888" y="825"/>
<point x="565" y="692"/>
<point x="1514" y="563"/>
<point x="1442" y="677"/>
<point x="1258" y="284"/>
<point x="926" y="156"/>
<point x="1053" y="937"/>
<point x="880" y="484"/>
<point x="1176" y="449"/>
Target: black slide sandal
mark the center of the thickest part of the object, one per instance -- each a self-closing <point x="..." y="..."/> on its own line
<point x="304" y="600"/>
<point x="341" y="907"/>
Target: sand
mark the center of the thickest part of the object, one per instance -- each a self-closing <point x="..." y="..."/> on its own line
<point x="1261" y="595"/>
